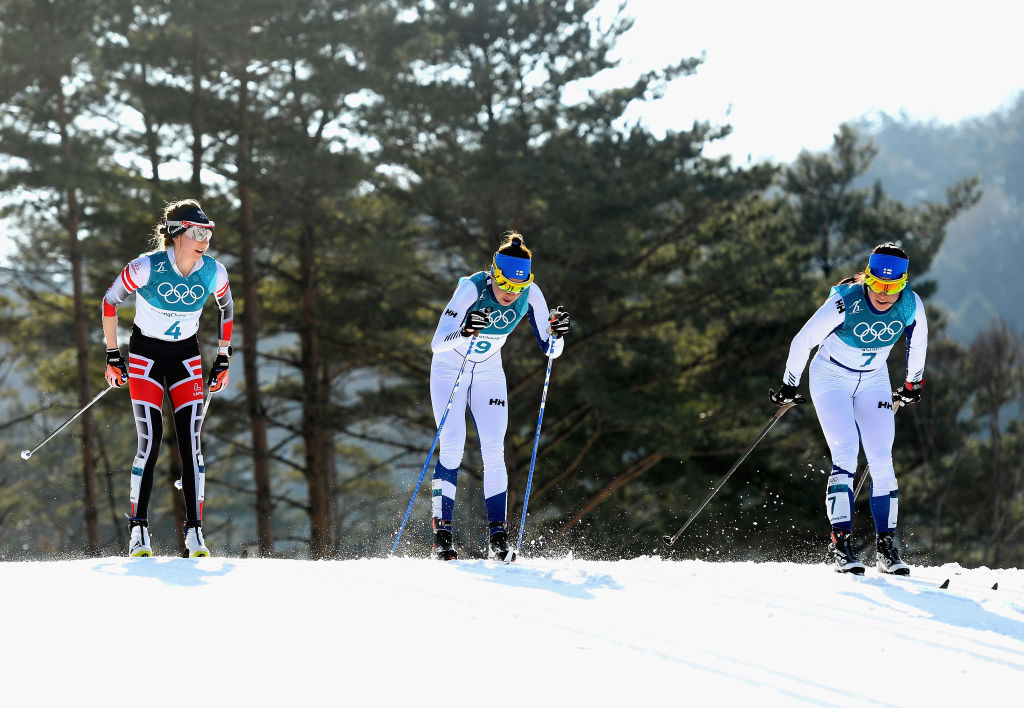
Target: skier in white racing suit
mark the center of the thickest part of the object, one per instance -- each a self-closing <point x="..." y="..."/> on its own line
<point x="171" y="285"/>
<point x="860" y="322"/>
<point x="473" y="327"/>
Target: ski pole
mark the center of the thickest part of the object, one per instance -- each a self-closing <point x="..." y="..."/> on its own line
<point x="206" y="406"/>
<point x="864" y="475"/>
<point x="437" y="435"/>
<point x="669" y="540"/>
<point x="26" y="454"/>
<point x="536" y="440"/>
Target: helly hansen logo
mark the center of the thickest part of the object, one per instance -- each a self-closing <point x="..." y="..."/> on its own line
<point x="840" y="306"/>
<point x="450" y="313"/>
<point x="885" y="404"/>
<point x="498" y="402"/>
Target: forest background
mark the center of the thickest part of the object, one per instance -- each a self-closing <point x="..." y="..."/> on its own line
<point x="358" y="157"/>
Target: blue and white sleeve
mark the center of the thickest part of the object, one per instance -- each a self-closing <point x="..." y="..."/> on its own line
<point x="538" y="313"/>
<point x="821" y="324"/>
<point x="448" y="334"/>
<point x="917" y="343"/>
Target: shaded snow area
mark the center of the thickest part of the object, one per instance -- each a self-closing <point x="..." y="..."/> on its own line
<point x="541" y="632"/>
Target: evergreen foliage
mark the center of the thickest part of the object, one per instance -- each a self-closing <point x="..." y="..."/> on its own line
<point x="358" y="158"/>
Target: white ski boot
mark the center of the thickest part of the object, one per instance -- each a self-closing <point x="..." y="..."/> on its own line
<point x="139" y="544"/>
<point x="841" y="554"/>
<point x="497" y="546"/>
<point x="194" y="543"/>
<point x="887" y="556"/>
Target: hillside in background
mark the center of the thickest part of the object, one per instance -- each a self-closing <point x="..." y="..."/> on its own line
<point x="541" y="632"/>
<point x="979" y="264"/>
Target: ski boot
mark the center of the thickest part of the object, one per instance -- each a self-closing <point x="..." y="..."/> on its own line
<point x="497" y="547"/>
<point x="841" y="555"/>
<point x="444" y="546"/>
<point x="887" y="556"/>
<point x="195" y="545"/>
<point x="139" y="543"/>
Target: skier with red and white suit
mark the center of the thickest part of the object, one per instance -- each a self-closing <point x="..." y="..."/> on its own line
<point x="171" y="284"/>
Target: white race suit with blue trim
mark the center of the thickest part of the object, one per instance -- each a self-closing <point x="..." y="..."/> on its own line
<point x="852" y="394"/>
<point x="482" y="387"/>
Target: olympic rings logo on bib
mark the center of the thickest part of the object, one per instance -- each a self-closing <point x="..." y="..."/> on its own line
<point x="173" y="294"/>
<point x="877" y="332"/>
<point x="503" y="319"/>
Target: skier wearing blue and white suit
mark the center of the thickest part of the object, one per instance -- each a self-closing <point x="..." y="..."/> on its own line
<point x="487" y="305"/>
<point x="858" y="325"/>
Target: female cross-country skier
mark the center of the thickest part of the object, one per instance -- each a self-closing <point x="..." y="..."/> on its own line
<point x="487" y="305"/>
<point x="171" y="285"/>
<point x="856" y="328"/>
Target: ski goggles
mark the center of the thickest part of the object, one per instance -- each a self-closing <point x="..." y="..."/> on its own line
<point x="519" y="266"/>
<point x="886" y="273"/>
<point x="193" y="229"/>
<point x="883" y="286"/>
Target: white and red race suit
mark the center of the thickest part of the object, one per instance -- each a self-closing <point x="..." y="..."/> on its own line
<point x="164" y="360"/>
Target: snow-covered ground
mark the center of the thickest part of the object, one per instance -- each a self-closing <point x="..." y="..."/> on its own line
<point x="542" y="632"/>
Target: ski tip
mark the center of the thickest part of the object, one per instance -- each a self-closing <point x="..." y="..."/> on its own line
<point x="995" y="586"/>
<point x="945" y="584"/>
<point x="668" y="540"/>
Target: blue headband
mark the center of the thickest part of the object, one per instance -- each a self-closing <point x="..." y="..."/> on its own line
<point x="512" y="267"/>
<point x="887" y="267"/>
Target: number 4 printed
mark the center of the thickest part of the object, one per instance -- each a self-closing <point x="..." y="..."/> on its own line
<point x="174" y="330"/>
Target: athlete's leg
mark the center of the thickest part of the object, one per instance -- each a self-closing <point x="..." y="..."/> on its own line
<point x="185" y="386"/>
<point x="147" y="396"/>
<point x="874" y="411"/>
<point x="488" y="401"/>
<point x="453" y="436"/>
<point x="832" y="392"/>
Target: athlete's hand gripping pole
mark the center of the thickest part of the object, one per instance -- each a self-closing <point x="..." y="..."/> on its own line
<point x="536" y="440"/>
<point x="26" y="454"/>
<point x="437" y="436"/>
<point x="764" y="431"/>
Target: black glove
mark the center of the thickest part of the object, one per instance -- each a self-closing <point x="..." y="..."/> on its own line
<point x="558" y="318"/>
<point x="785" y="394"/>
<point x="117" y="371"/>
<point x="475" y="321"/>
<point x="219" y="372"/>
<point x="909" y="394"/>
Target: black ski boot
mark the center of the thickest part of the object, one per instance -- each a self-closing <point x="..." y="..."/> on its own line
<point x="841" y="555"/>
<point x="887" y="556"/>
<point x="444" y="546"/>
<point x="497" y="546"/>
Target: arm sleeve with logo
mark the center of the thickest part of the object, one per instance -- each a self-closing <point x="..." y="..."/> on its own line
<point x="222" y="294"/>
<point x="132" y="277"/>
<point x="827" y="318"/>
<point x="539" y="321"/>
<point x="448" y="335"/>
<point x="917" y="343"/>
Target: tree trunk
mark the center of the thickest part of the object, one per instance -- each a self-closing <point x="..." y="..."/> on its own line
<point x="312" y="398"/>
<point x="250" y="327"/>
<point x="197" y="114"/>
<point x="74" y="215"/>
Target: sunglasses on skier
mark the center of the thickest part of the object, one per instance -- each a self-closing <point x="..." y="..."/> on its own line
<point x="882" y="286"/>
<point x="193" y="229"/>
<point x="509" y="286"/>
